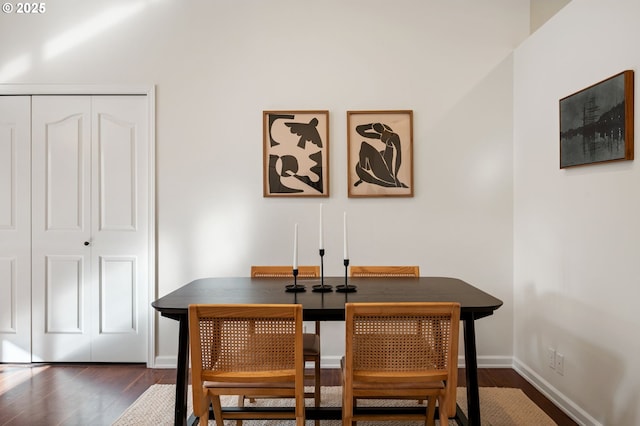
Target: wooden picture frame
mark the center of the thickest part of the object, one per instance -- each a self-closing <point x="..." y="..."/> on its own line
<point x="380" y="153"/>
<point x="296" y="153"/>
<point x="596" y="123"/>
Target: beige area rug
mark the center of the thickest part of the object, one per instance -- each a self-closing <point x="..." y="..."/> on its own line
<point x="498" y="406"/>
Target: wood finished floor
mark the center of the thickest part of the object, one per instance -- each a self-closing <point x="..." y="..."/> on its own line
<point x="96" y="394"/>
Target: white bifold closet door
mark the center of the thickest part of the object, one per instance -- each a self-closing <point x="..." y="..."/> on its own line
<point x="90" y="228"/>
<point x="15" y="229"/>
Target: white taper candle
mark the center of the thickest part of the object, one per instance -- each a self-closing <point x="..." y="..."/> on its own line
<point x="346" y="240"/>
<point x="295" y="247"/>
<point x="321" y="236"/>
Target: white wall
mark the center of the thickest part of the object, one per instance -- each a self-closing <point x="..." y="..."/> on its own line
<point x="218" y="64"/>
<point x="542" y="10"/>
<point x="577" y="257"/>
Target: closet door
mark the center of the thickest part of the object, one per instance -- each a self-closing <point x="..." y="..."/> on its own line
<point x="90" y="228"/>
<point x="15" y="229"/>
<point x="61" y="232"/>
<point x="119" y="229"/>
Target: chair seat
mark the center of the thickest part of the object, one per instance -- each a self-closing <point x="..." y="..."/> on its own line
<point x="376" y="385"/>
<point x="311" y="344"/>
<point x="415" y="388"/>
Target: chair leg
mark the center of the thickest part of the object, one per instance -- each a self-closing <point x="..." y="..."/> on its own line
<point x="347" y="405"/>
<point x="346" y="414"/>
<point x="217" y="411"/>
<point x="203" y="418"/>
<point x="317" y="382"/>
<point x="431" y="411"/>
<point x="299" y="410"/>
<point x="317" y="386"/>
<point x="201" y="408"/>
<point x="442" y="408"/>
<point x="354" y="405"/>
<point x="240" y="404"/>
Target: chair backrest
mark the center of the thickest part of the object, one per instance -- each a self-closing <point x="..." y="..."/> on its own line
<point x="401" y="341"/>
<point x="245" y="343"/>
<point x="285" y="271"/>
<point x="384" y="271"/>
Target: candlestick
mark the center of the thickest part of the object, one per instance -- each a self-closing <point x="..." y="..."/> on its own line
<point x="346" y="288"/>
<point x="322" y="287"/>
<point x="295" y="288"/>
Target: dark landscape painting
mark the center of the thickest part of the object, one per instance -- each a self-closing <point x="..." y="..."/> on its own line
<point x="596" y="123"/>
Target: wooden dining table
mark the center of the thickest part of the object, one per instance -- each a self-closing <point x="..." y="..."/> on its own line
<point x="329" y="306"/>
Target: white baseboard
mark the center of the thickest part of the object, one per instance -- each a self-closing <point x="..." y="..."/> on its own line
<point x="554" y="395"/>
<point x="330" y="361"/>
<point x="489" y="362"/>
<point x="164" y="362"/>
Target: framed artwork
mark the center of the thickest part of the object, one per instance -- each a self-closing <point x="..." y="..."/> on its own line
<point x="296" y="153"/>
<point x="596" y="123"/>
<point x="380" y="153"/>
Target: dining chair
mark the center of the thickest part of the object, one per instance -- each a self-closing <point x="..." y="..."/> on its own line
<point x="311" y="340"/>
<point x="251" y="349"/>
<point x="400" y="350"/>
<point x="384" y="271"/>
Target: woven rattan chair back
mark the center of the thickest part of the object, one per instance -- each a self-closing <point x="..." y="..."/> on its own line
<point x="400" y="350"/>
<point x="384" y="271"/>
<point x="245" y="349"/>
<point x="285" y="271"/>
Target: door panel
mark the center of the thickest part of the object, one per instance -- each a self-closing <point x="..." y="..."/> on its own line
<point x="61" y="195"/>
<point x="65" y="153"/>
<point x="118" y="193"/>
<point x="118" y="283"/>
<point x="64" y="295"/>
<point x="15" y="229"/>
<point x="121" y="228"/>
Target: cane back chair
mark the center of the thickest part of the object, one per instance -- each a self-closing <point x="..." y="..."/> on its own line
<point x="400" y="350"/>
<point x="246" y="349"/>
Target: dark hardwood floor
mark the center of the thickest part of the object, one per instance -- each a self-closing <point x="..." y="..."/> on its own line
<point x="96" y="394"/>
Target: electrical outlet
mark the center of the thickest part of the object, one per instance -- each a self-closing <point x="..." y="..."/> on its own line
<point x="551" y="358"/>
<point x="560" y="363"/>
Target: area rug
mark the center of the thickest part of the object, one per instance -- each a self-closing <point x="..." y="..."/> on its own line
<point x="498" y="407"/>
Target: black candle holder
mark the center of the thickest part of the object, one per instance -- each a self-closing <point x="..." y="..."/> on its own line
<point x="346" y="288"/>
<point x="295" y="288"/>
<point x="322" y="288"/>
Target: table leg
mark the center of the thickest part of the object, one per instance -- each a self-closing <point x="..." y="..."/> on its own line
<point x="182" y="378"/>
<point x="471" y="370"/>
